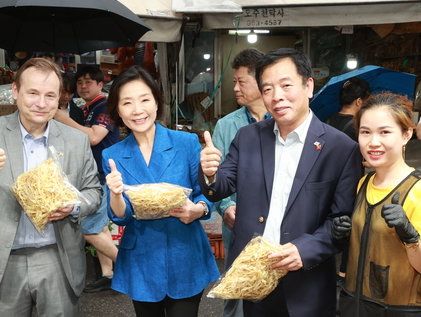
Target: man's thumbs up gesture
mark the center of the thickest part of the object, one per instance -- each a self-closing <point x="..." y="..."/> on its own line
<point x="210" y="157"/>
<point x="114" y="180"/>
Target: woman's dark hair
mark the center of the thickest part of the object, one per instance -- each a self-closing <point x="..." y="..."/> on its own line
<point x="131" y="74"/>
<point x="301" y="61"/>
<point x="352" y="89"/>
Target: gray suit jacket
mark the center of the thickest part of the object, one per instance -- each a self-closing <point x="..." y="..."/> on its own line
<point x="79" y="166"/>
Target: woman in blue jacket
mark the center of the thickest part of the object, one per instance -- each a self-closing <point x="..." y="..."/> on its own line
<point x="165" y="264"/>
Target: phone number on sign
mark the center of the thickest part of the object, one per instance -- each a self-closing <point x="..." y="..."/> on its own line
<point x="268" y="22"/>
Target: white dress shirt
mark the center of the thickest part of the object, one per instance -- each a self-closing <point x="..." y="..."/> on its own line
<point x="287" y="156"/>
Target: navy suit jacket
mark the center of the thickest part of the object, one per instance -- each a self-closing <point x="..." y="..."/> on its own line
<point x="324" y="187"/>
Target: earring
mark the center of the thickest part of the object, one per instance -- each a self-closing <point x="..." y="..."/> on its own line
<point x="403" y="151"/>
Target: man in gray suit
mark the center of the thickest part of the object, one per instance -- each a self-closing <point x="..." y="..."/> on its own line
<point x="47" y="270"/>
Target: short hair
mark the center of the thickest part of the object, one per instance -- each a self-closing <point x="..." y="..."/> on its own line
<point x="247" y="58"/>
<point x="131" y="74"/>
<point x="400" y="107"/>
<point x="41" y="64"/>
<point x="93" y="71"/>
<point x="353" y="89"/>
<point x="300" y="60"/>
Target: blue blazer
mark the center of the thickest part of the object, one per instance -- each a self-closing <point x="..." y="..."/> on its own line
<point x="324" y="187"/>
<point x="161" y="257"/>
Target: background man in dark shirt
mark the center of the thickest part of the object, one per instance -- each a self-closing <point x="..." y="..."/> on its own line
<point x="102" y="133"/>
<point x="353" y="93"/>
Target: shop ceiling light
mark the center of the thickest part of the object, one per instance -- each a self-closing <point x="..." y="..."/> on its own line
<point x="239" y="32"/>
<point x="252" y="38"/>
<point x="206" y="56"/>
<point x="351" y="61"/>
<point x="259" y="31"/>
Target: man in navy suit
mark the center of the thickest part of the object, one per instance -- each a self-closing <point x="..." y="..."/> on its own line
<point x="292" y="175"/>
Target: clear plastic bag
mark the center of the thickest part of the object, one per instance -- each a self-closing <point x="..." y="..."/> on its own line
<point x="43" y="189"/>
<point x="156" y="200"/>
<point x="250" y="276"/>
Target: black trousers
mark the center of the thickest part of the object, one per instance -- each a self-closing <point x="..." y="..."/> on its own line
<point x="274" y="305"/>
<point x="169" y="307"/>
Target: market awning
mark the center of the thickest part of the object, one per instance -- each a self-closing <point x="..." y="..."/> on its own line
<point x="272" y="13"/>
<point x="164" y="22"/>
<point x="155" y="8"/>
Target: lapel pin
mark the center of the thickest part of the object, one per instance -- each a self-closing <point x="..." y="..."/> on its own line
<point x="317" y="146"/>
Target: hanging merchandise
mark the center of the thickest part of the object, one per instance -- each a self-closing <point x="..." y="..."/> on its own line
<point x="148" y="59"/>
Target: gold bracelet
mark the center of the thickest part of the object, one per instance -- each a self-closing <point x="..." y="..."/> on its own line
<point x="412" y="246"/>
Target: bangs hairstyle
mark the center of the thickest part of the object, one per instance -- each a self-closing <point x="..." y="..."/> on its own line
<point x="301" y="61"/>
<point x="42" y="64"/>
<point x="131" y="74"/>
<point x="400" y="107"/>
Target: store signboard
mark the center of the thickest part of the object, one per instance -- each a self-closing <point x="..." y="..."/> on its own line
<point x="316" y="15"/>
<point x="252" y="3"/>
<point x="261" y="17"/>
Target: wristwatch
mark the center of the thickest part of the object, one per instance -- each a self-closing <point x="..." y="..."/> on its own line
<point x="205" y="208"/>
